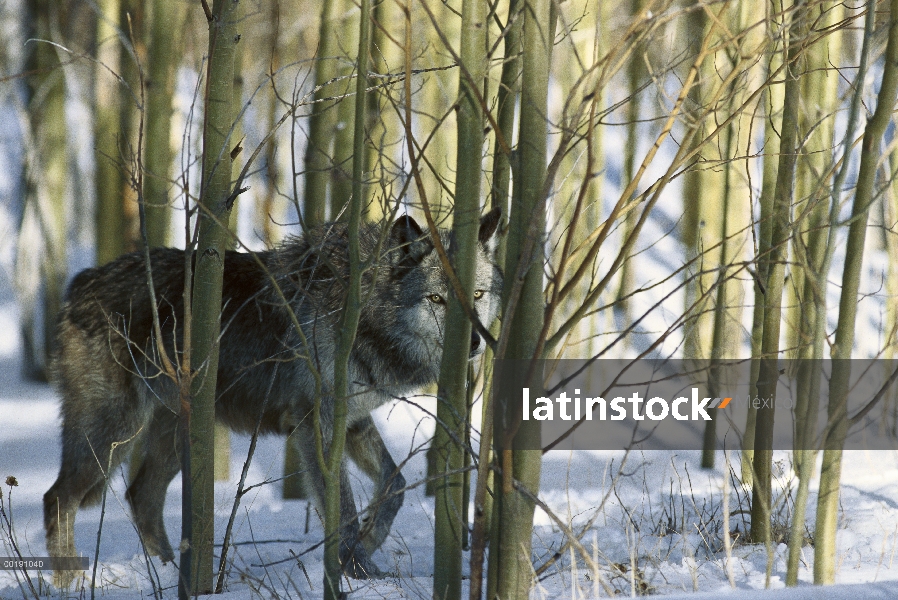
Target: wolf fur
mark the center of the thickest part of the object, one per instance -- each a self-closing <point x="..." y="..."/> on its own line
<point x="107" y="372"/>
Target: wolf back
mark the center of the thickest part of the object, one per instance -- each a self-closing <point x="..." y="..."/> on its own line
<point x="108" y="374"/>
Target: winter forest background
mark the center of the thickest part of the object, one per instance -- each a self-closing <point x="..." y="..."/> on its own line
<point x="708" y="180"/>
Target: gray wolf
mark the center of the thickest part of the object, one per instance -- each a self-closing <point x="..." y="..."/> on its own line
<point x="106" y="366"/>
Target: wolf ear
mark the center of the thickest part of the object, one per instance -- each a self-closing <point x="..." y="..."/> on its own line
<point x="407" y="242"/>
<point x="489" y="223"/>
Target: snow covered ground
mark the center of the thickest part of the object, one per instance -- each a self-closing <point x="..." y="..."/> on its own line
<point x="663" y="514"/>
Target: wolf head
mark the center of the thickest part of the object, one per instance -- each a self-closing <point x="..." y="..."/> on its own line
<point x="423" y="288"/>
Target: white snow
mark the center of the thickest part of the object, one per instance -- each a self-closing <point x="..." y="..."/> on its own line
<point x="664" y="513"/>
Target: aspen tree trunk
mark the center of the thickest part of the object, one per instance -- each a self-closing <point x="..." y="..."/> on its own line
<point x="349" y="320"/>
<point x="222" y="433"/>
<point x="704" y="202"/>
<point x="110" y="179"/>
<point x="831" y="469"/>
<point x="635" y="75"/>
<point x="733" y="215"/>
<point x="162" y="63"/>
<point x="890" y="406"/>
<point x="215" y="196"/>
<point x="344" y="140"/>
<point x="775" y="266"/>
<point x="318" y="161"/>
<point x="710" y="215"/>
<point x="773" y="103"/>
<point x="696" y="195"/>
<point x="41" y="269"/>
<point x="318" y="164"/>
<point x="270" y="211"/>
<point x="158" y="153"/>
<point x="451" y="396"/>
<point x="507" y="94"/>
<point x="133" y="59"/>
<point x="317" y="174"/>
<point x="821" y="97"/>
<point x="721" y="342"/>
<point x="710" y="196"/>
<point x="511" y="547"/>
<point x="486" y="515"/>
<point x="383" y="15"/>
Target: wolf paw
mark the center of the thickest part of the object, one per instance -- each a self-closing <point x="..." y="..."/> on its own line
<point x="69" y="579"/>
<point x="362" y="567"/>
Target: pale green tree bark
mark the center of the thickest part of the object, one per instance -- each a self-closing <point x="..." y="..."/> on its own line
<point x="732" y="215"/>
<point x="774" y="266"/>
<point x="41" y="268"/>
<point x="271" y="207"/>
<point x="110" y="179"/>
<point x="773" y="103"/>
<point x="524" y="259"/>
<point x="215" y="199"/>
<point x="344" y="139"/>
<point x="831" y="469"/>
<point x="698" y="190"/>
<point x="635" y="75"/>
<point x="820" y="96"/>
<point x="318" y="157"/>
<point x="349" y="320"/>
<point x="486" y="510"/>
<point x="162" y="58"/>
<point x="161" y="65"/>
<point x="452" y="398"/>
<point x="318" y="164"/>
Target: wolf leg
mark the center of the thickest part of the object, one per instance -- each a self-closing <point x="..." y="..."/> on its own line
<point x="366" y="448"/>
<point x="86" y="448"/>
<point x="148" y="488"/>
<point x="353" y="555"/>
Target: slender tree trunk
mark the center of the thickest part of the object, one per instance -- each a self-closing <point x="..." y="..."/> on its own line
<point x="377" y="129"/>
<point x="511" y="548"/>
<point x="486" y="510"/>
<point x="269" y="214"/>
<point x="314" y="205"/>
<point x="41" y="269"/>
<point x="507" y="94"/>
<point x="213" y="215"/>
<point x="775" y="267"/>
<point x="222" y="433"/>
<point x="705" y="203"/>
<point x="110" y="180"/>
<point x="133" y="60"/>
<point x="723" y="335"/>
<point x="349" y="320"/>
<point x="635" y="75"/>
<point x="162" y="63"/>
<point x="890" y="406"/>
<point x="733" y="215"/>
<point x="773" y="103"/>
<point x="831" y="469"/>
<point x="341" y="174"/>
<point x="697" y="326"/>
<point x="451" y="395"/>
<point x="318" y="157"/>
<point x="821" y="94"/>
<point x="158" y="153"/>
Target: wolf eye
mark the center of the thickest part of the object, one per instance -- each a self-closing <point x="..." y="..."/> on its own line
<point x="435" y="298"/>
<point x="478" y="294"/>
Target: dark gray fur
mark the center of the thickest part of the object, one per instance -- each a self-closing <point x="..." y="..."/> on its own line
<point x="111" y="387"/>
